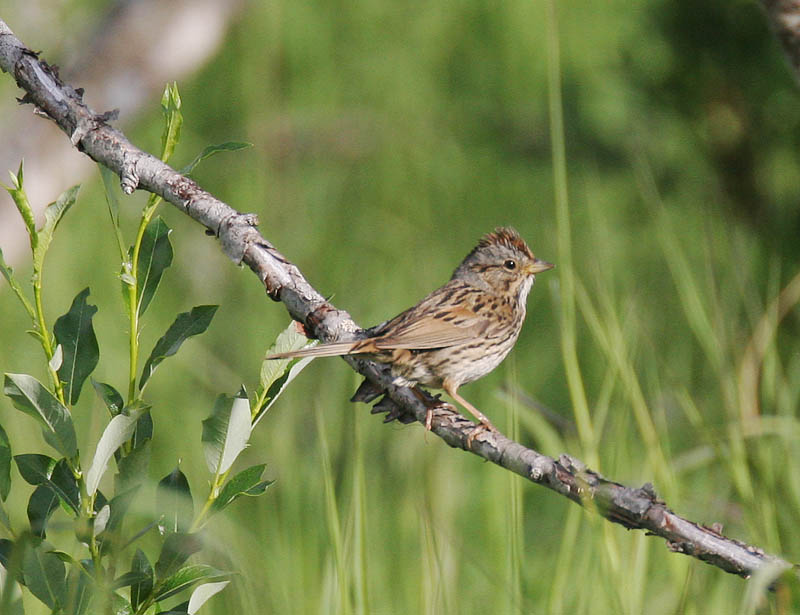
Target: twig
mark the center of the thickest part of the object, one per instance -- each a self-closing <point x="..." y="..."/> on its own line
<point x="90" y="133"/>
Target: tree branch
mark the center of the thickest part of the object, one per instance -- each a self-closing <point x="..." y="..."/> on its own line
<point x="89" y="131"/>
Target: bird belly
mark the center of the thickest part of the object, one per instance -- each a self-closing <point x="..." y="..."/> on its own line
<point x="460" y="364"/>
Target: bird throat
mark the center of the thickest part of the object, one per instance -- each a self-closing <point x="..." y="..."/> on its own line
<point x="524" y="289"/>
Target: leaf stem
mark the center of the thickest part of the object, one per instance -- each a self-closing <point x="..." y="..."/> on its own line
<point x="213" y="494"/>
<point x="44" y="336"/>
<point x="133" y="295"/>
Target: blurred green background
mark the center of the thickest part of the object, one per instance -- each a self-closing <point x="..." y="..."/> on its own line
<point x="388" y="138"/>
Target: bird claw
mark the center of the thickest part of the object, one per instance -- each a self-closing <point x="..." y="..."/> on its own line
<point x="440" y="405"/>
<point x="477" y="430"/>
<point x="437" y="404"/>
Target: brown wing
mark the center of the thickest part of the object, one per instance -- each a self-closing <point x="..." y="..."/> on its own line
<point x="423" y="330"/>
<point x="442" y="319"/>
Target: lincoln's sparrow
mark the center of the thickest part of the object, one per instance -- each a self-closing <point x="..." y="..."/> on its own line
<point x="461" y="331"/>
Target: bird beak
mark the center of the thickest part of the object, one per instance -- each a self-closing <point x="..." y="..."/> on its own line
<point x="539" y="265"/>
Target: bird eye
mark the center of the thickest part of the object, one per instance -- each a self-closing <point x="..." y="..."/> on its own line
<point x="509" y="264"/>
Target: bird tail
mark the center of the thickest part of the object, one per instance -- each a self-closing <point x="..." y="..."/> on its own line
<point x="323" y="350"/>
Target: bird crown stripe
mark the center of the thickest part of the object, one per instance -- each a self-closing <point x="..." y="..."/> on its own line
<point x="507" y="236"/>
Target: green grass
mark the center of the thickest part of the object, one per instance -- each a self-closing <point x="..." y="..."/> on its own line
<point x="388" y="138"/>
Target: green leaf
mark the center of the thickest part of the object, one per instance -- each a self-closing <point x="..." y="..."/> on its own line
<point x="5" y="464"/>
<point x="58" y="359"/>
<point x="4" y="521"/>
<point x="226" y="432"/>
<point x="173" y="120"/>
<point x="6" y="556"/>
<point x="210" y="150"/>
<point x="18" y="178"/>
<point x="63" y="482"/>
<point x="288" y="340"/>
<point x="277" y="374"/>
<point x="35" y="469"/>
<point x="185" y="326"/>
<point x="174" y="501"/>
<point x="185" y="577"/>
<point x="63" y="556"/>
<point x="8" y="274"/>
<point x="128" y="579"/>
<point x="177" y="548"/>
<point x="13" y="604"/>
<point x="41" y="505"/>
<point x="120" y="606"/>
<point x="119" y="430"/>
<point x="127" y="279"/>
<point x="144" y="428"/>
<point x="202" y="593"/>
<point x="141" y="589"/>
<point x="132" y="468"/>
<point x="75" y="333"/>
<point x="247" y="482"/>
<point x="80" y="589"/>
<point x="17" y="192"/>
<point x="99" y="501"/>
<point x="31" y="397"/>
<point x="155" y="255"/>
<point x="110" y="183"/>
<point x="111" y="188"/>
<point x="101" y="520"/>
<point x="11" y="561"/>
<point x="56" y="476"/>
<point x="178" y="609"/>
<point x="110" y="396"/>
<point x="54" y="439"/>
<point x="44" y="574"/>
<point x="52" y="216"/>
<point x="279" y="386"/>
<point x="119" y="506"/>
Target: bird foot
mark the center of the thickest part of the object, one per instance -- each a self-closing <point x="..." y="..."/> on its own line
<point x="438" y="405"/>
<point x="478" y="430"/>
<point x="432" y="402"/>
